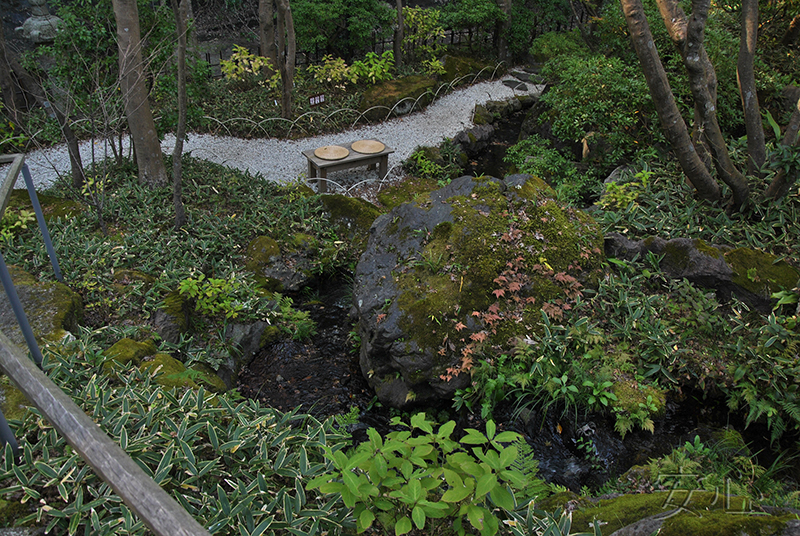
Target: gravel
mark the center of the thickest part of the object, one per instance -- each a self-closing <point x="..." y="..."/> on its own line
<point x="281" y="160"/>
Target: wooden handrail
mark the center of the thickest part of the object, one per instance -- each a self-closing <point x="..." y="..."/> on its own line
<point x="160" y="512"/>
<point x="10" y="179"/>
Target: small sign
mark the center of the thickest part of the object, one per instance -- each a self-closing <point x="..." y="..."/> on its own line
<point x="316" y="100"/>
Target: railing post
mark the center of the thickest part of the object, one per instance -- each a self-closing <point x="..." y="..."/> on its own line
<point x="37" y="208"/>
<point x="19" y="312"/>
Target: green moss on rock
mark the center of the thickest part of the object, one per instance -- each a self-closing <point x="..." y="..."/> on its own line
<point x="176" y="306"/>
<point x="205" y="376"/>
<point x="759" y="272"/>
<point x="455" y="274"/>
<point x="382" y="97"/>
<point x="406" y="192"/>
<point x="126" y="351"/>
<point x="457" y="67"/>
<point x="351" y="215"/>
<point x="168" y="371"/>
<point x="271" y="334"/>
<point x="682" y="512"/>
<point x="12" y="402"/>
<point x="52" y="308"/>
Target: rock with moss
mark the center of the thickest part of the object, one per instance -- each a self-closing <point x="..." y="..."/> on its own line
<point x="468" y="69"/>
<point x="171" y="320"/>
<point x="244" y="342"/>
<point x="281" y="270"/>
<point x="397" y="97"/>
<point x="749" y="274"/>
<point x="128" y="351"/>
<point x="52" y="309"/>
<point x="460" y="273"/>
<point x="351" y="218"/>
<point x="678" y="513"/>
<point x="12" y="402"/>
<point x="406" y="191"/>
<point x="169" y="372"/>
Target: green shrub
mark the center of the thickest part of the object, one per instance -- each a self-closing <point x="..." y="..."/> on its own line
<point x="424" y="478"/>
<point x="600" y="100"/>
<point x="551" y="45"/>
<point x="535" y="156"/>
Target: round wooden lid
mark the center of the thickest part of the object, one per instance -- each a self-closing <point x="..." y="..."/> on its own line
<point x="331" y="152"/>
<point x="367" y="146"/>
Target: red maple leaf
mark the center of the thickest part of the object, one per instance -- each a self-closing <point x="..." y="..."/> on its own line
<point x="499" y="293"/>
<point x="460" y="326"/>
<point x="478" y="337"/>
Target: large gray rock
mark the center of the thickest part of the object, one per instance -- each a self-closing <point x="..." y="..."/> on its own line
<point x="750" y="275"/>
<point x="460" y="273"/>
<point x="52" y="308"/>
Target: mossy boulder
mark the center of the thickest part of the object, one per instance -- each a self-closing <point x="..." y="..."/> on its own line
<point x="749" y="274"/>
<point x="406" y="191"/>
<point x="128" y="351"/>
<point x="468" y="69"/>
<point x="351" y="217"/>
<point x="678" y="513"/>
<point x="760" y="273"/>
<point x="277" y="270"/>
<point x="397" y="97"/>
<point x="12" y="402"/>
<point x="172" y="319"/>
<point x="169" y="372"/>
<point x="462" y="272"/>
<point x="52" y="308"/>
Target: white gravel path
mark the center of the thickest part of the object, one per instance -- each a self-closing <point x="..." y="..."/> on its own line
<point x="281" y="160"/>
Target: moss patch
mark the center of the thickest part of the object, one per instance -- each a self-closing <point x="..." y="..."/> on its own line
<point x="382" y="97"/>
<point x="169" y="372"/>
<point x="406" y="191"/>
<point x="52" y="308"/>
<point x="52" y="206"/>
<point x="696" y="513"/>
<point x="759" y="272"/>
<point x="126" y="351"/>
<point x="453" y="279"/>
<point x="462" y="66"/>
<point x="12" y="401"/>
<point x="351" y="216"/>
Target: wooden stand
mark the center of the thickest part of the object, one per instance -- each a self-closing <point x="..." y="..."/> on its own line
<point x="319" y="168"/>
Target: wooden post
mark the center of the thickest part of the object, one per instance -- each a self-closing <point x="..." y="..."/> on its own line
<point x="160" y="512"/>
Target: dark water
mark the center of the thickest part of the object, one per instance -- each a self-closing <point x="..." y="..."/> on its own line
<point x="490" y="161"/>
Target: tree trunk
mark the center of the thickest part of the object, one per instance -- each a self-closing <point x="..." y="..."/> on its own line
<point x="181" y="16"/>
<point x="501" y="30"/>
<point x="780" y="185"/>
<point x="7" y="83"/>
<point x="149" y="157"/>
<point x="266" y="32"/>
<point x="756" y="146"/>
<point x="669" y="116"/>
<point x="398" y="36"/>
<point x="587" y="40"/>
<point x="688" y="39"/>
<point x="32" y="88"/>
<point x="286" y="51"/>
<point x="792" y="33"/>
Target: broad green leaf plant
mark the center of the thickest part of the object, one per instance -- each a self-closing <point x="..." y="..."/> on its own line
<point x="421" y="477"/>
